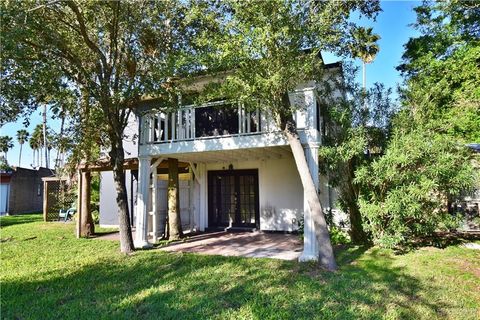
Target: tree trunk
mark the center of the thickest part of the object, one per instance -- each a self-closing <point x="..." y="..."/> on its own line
<point x="45" y="143"/>
<point x="349" y="196"/>
<point x="87" y="226"/>
<point x="20" y="155"/>
<point x="174" y="221"/>
<point x="117" y="159"/>
<point x="326" y="257"/>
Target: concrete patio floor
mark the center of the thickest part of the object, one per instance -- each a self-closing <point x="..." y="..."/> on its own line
<point x="240" y="244"/>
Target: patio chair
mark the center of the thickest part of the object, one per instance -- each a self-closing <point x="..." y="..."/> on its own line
<point x="66" y="214"/>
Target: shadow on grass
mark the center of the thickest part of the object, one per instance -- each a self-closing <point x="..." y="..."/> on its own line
<point x="6" y="221"/>
<point x="160" y="285"/>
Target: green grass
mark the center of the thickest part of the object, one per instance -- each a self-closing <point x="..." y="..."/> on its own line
<point x="46" y="273"/>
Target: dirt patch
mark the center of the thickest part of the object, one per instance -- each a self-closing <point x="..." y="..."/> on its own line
<point x="469" y="267"/>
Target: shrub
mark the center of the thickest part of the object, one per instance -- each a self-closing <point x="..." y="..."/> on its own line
<point x="406" y="192"/>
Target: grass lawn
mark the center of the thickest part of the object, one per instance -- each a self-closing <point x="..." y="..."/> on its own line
<point x="46" y="273"/>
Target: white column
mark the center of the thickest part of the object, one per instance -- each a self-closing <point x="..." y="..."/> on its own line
<point x="155" y="214"/>
<point x="310" y="243"/>
<point x="203" y="212"/>
<point x="143" y="194"/>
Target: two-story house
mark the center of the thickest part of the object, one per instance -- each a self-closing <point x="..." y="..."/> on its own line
<point x="236" y="168"/>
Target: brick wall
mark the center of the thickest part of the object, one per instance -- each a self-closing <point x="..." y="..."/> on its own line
<point x="26" y="190"/>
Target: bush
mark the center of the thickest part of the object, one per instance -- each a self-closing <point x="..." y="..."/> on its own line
<point x="96" y="216"/>
<point x="338" y="236"/>
<point x="406" y="192"/>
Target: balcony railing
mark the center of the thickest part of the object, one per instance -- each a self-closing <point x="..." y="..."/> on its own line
<point x="214" y="119"/>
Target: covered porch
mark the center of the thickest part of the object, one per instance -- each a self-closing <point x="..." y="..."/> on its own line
<point x="279" y="199"/>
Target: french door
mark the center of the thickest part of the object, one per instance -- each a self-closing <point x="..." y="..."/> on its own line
<point x="233" y="198"/>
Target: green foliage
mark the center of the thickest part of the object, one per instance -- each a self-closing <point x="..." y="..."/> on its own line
<point x="22" y="136"/>
<point x="356" y="126"/>
<point x="364" y="44"/>
<point x="4" y="166"/>
<point x="48" y="274"/>
<point x="6" y="143"/>
<point x="407" y="192"/>
<point x="270" y="47"/>
<point x="95" y="197"/>
<point x="408" y="189"/>
<point x="338" y="236"/>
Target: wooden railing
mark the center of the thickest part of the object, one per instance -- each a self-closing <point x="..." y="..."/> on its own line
<point x="214" y="119"/>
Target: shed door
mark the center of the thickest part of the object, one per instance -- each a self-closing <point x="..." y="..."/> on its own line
<point x="4" y="191"/>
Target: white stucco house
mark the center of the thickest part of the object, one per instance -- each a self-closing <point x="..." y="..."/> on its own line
<point x="236" y="169"/>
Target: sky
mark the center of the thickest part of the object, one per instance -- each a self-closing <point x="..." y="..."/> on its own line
<point x="392" y="24"/>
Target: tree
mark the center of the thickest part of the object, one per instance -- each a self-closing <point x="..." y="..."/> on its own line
<point x="440" y="68"/>
<point x="5" y="145"/>
<point x="269" y="48"/>
<point x="36" y="143"/>
<point x="407" y="190"/>
<point x="411" y="188"/>
<point x="349" y="143"/>
<point x="22" y="137"/>
<point x="108" y="54"/>
<point x="364" y="46"/>
<point x="34" y="146"/>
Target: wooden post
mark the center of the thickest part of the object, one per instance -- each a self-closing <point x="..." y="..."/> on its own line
<point x="174" y="221"/>
<point x="79" y="204"/>
<point x="45" y="201"/>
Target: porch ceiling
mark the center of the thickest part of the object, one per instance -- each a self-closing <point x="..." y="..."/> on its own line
<point x="252" y="154"/>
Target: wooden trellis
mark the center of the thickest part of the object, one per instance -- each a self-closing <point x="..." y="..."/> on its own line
<point x="57" y="195"/>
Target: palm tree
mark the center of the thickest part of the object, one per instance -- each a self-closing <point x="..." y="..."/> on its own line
<point x="37" y="137"/>
<point x="365" y="47"/>
<point x="22" y="137"/>
<point x="6" y="143"/>
<point x="34" y="146"/>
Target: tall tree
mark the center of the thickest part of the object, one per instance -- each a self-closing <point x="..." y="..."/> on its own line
<point x="353" y="136"/>
<point x="22" y="137"/>
<point x="364" y="46"/>
<point x="426" y="165"/>
<point x="36" y="143"/>
<point x="34" y="146"/>
<point x="270" y="47"/>
<point x="108" y="53"/>
<point x="6" y="143"/>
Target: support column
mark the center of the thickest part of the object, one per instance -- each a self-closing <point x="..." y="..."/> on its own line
<point x="310" y="243"/>
<point x="143" y="197"/>
<point x="45" y="201"/>
<point x="154" y="206"/>
<point x="79" y="204"/>
<point x="202" y="171"/>
<point x="155" y="211"/>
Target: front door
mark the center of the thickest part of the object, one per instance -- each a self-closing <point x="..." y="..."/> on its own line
<point x="233" y="198"/>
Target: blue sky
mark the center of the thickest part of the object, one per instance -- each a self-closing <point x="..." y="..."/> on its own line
<point x="392" y="25"/>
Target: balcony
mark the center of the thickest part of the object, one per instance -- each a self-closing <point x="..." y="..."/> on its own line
<point x="206" y="121"/>
<point x="225" y="126"/>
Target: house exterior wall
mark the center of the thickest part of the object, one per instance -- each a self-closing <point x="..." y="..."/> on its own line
<point x="108" y="198"/>
<point x="108" y="194"/>
<point x="26" y="190"/>
<point x="280" y="192"/>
